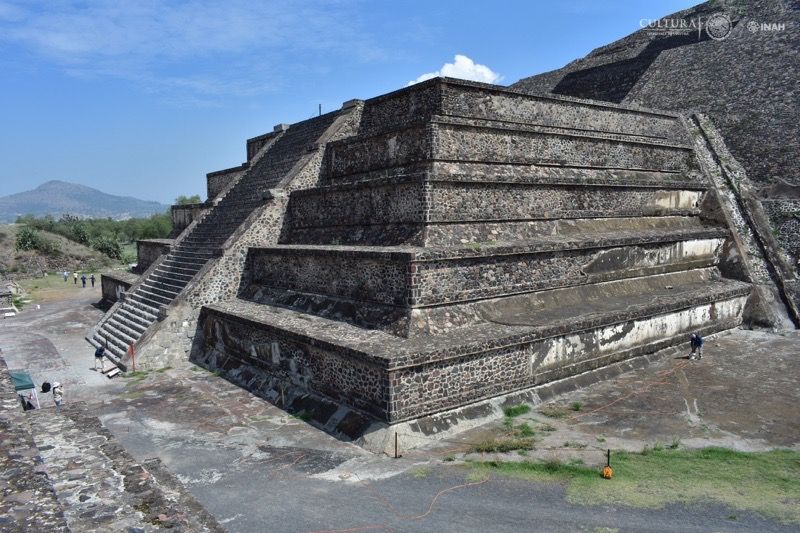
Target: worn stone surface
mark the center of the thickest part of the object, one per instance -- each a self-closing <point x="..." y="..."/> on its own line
<point x="221" y="442"/>
<point x="64" y="471"/>
<point x="100" y="486"/>
<point x="28" y="500"/>
<point x="113" y="284"/>
<point x="440" y="245"/>
<point x="148" y="251"/>
<point x="743" y="84"/>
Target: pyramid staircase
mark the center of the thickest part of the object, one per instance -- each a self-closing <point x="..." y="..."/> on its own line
<point x="471" y="241"/>
<point x="131" y="320"/>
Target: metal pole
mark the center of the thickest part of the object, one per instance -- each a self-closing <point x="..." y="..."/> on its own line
<point x="608" y="458"/>
<point x="395" y="445"/>
<point x="320" y="109"/>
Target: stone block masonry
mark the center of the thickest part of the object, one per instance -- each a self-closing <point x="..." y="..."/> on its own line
<point x="395" y="379"/>
<point x="148" y="251"/>
<point x="466" y="241"/>
<point x="113" y="284"/>
<point x="440" y="245"/>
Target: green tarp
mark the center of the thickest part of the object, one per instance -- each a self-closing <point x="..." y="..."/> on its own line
<point x="22" y="380"/>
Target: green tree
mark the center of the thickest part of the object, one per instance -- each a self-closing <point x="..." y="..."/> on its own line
<point x="185" y="200"/>
<point x="28" y="238"/>
<point x="108" y="246"/>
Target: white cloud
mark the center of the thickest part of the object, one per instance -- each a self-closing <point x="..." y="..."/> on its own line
<point x="193" y="47"/>
<point x="463" y="68"/>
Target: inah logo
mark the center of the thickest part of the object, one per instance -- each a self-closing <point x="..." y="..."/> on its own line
<point x="756" y="27"/>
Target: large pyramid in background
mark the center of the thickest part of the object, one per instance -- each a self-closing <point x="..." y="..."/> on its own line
<point x="746" y="83"/>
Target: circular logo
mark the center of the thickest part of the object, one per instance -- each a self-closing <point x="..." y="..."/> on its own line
<point x="718" y="26"/>
<point x="752" y="26"/>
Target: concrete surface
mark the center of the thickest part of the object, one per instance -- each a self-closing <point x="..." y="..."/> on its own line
<point x="255" y="468"/>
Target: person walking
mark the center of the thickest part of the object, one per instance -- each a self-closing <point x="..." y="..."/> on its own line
<point x="92" y="278"/>
<point x="83" y="280"/>
<point x="66" y="276"/>
<point x="75" y="277"/>
<point x="697" y="346"/>
<point x="99" y="358"/>
<point x="58" y="395"/>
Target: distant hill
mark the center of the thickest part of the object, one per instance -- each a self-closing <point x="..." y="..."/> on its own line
<point x="59" y="197"/>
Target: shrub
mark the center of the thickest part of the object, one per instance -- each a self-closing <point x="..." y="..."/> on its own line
<point x="187" y="200"/>
<point x="516" y="410"/>
<point x="108" y="246"/>
<point x="29" y="239"/>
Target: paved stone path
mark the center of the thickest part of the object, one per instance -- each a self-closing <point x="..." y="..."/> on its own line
<point x="256" y="469"/>
<point x="99" y="485"/>
<point x="28" y="502"/>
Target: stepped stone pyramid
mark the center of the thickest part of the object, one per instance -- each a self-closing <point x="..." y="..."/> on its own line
<point x="444" y="244"/>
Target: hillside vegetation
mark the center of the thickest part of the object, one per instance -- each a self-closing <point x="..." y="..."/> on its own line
<point x="105" y="235"/>
<point x="63" y="255"/>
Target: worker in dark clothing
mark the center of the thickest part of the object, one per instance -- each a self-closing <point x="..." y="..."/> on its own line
<point x="697" y="346"/>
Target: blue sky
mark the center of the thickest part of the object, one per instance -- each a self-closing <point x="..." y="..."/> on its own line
<point x="143" y="98"/>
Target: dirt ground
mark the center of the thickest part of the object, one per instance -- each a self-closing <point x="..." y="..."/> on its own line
<point x="256" y="468"/>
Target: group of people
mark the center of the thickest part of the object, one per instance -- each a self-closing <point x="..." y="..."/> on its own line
<point x="83" y="278"/>
<point x="55" y="388"/>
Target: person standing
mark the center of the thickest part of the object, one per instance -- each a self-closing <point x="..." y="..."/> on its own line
<point x="58" y="395"/>
<point x="75" y="277"/>
<point x="697" y="346"/>
<point x="99" y="359"/>
<point x="83" y="280"/>
<point x="92" y="278"/>
<point x="66" y="275"/>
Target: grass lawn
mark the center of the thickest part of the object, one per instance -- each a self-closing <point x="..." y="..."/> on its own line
<point x="52" y="286"/>
<point x="764" y="482"/>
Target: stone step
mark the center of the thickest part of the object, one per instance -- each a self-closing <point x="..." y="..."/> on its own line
<point x="138" y="313"/>
<point x="116" y="353"/>
<point x="418" y="277"/>
<point x="205" y="245"/>
<point x="485" y="142"/>
<point x="145" y="293"/>
<point x="142" y="309"/>
<point x="166" y="282"/>
<point x="146" y="302"/>
<point x="193" y="252"/>
<point x="191" y="260"/>
<point x="177" y="275"/>
<point x="110" y="328"/>
<point x="415" y="202"/>
<point x="100" y="486"/>
<point x="129" y="327"/>
<point x="169" y="293"/>
<point x="169" y="265"/>
<point x="519" y="342"/>
<point x="482" y="233"/>
<point x="28" y="502"/>
<point x="454" y="98"/>
<point x="118" y="347"/>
